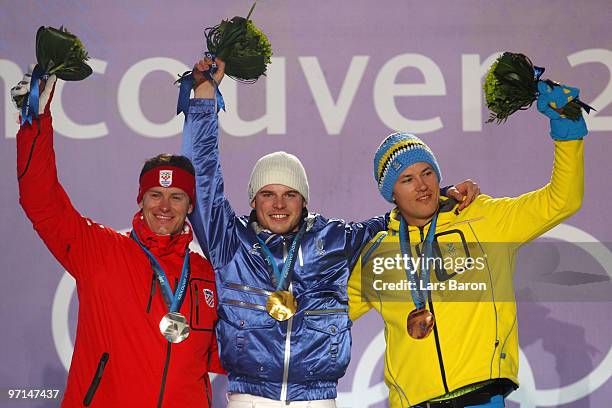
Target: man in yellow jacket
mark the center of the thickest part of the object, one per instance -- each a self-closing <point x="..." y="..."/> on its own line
<point x="442" y="279"/>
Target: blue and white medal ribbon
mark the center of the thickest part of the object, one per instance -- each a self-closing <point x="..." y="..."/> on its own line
<point x="29" y="109"/>
<point x="281" y="304"/>
<point x="420" y="321"/>
<point x="173" y="326"/>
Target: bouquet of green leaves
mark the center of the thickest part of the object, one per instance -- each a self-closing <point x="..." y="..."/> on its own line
<point x="61" y="53"/>
<point x="244" y="48"/>
<point x="512" y="84"/>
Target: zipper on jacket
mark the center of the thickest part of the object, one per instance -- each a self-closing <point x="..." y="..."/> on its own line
<point x="324" y="311"/>
<point x="244" y="288"/>
<point x="287" y="357"/>
<point x="162" y="388"/>
<point x="438" y="348"/>
<point x="245" y="304"/>
<point x="95" y="382"/>
<point x="435" y="328"/>
<point x="208" y="381"/>
<point x="197" y="304"/>
<point x="287" y="354"/>
<point x="152" y="292"/>
<point x="160" y="400"/>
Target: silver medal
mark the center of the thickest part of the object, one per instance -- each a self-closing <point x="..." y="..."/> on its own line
<point x="174" y="327"/>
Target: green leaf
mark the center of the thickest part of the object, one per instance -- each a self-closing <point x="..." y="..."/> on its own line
<point x="245" y="48"/>
<point x="76" y="72"/>
<point x="19" y="100"/>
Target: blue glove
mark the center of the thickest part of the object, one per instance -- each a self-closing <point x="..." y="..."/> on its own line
<point x="561" y="128"/>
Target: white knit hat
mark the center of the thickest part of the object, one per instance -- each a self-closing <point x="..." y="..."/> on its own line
<point x="278" y="168"/>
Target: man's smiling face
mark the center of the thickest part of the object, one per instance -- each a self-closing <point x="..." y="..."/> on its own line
<point x="278" y="208"/>
<point x="165" y="209"/>
<point x="417" y="193"/>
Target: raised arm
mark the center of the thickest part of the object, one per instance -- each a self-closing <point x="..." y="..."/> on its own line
<point x="64" y="231"/>
<point x="213" y="219"/>
<point x="529" y="215"/>
<point x="525" y="217"/>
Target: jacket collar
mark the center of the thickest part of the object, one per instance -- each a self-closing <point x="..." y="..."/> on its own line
<point x="161" y="245"/>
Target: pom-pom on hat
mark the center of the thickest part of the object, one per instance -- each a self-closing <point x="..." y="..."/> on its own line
<point x="395" y="153"/>
<point x="278" y="168"/>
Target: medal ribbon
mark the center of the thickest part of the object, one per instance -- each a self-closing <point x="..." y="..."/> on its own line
<point x="172" y="300"/>
<point x="281" y="276"/>
<point x="29" y="108"/>
<point x="186" y="83"/>
<point x="419" y="297"/>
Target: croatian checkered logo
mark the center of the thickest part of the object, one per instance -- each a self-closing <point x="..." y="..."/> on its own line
<point x="209" y="297"/>
<point x="165" y="178"/>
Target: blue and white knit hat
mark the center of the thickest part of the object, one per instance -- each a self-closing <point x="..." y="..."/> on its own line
<point x="395" y="153"/>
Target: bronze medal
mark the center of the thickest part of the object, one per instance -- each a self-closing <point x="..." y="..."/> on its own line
<point x="174" y="327"/>
<point x="281" y="305"/>
<point x="420" y="323"/>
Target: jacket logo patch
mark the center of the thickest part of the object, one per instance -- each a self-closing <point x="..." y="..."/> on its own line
<point x="165" y="178"/>
<point x="320" y="247"/>
<point x="255" y="249"/>
<point x="209" y="297"/>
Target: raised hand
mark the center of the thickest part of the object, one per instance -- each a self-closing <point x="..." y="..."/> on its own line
<point x="203" y="87"/>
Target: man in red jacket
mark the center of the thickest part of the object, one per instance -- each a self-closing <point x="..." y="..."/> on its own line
<point x="147" y="305"/>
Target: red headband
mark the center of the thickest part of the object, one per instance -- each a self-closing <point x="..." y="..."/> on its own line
<point x="167" y="176"/>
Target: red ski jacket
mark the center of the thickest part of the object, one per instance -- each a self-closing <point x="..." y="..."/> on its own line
<point x="120" y="357"/>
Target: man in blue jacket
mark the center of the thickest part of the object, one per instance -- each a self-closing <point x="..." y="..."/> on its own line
<point x="283" y="329"/>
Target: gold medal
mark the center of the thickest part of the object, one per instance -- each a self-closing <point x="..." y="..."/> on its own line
<point x="420" y="323"/>
<point x="281" y="305"/>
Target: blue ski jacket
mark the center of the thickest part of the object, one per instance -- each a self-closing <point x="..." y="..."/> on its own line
<point x="298" y="359"/>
